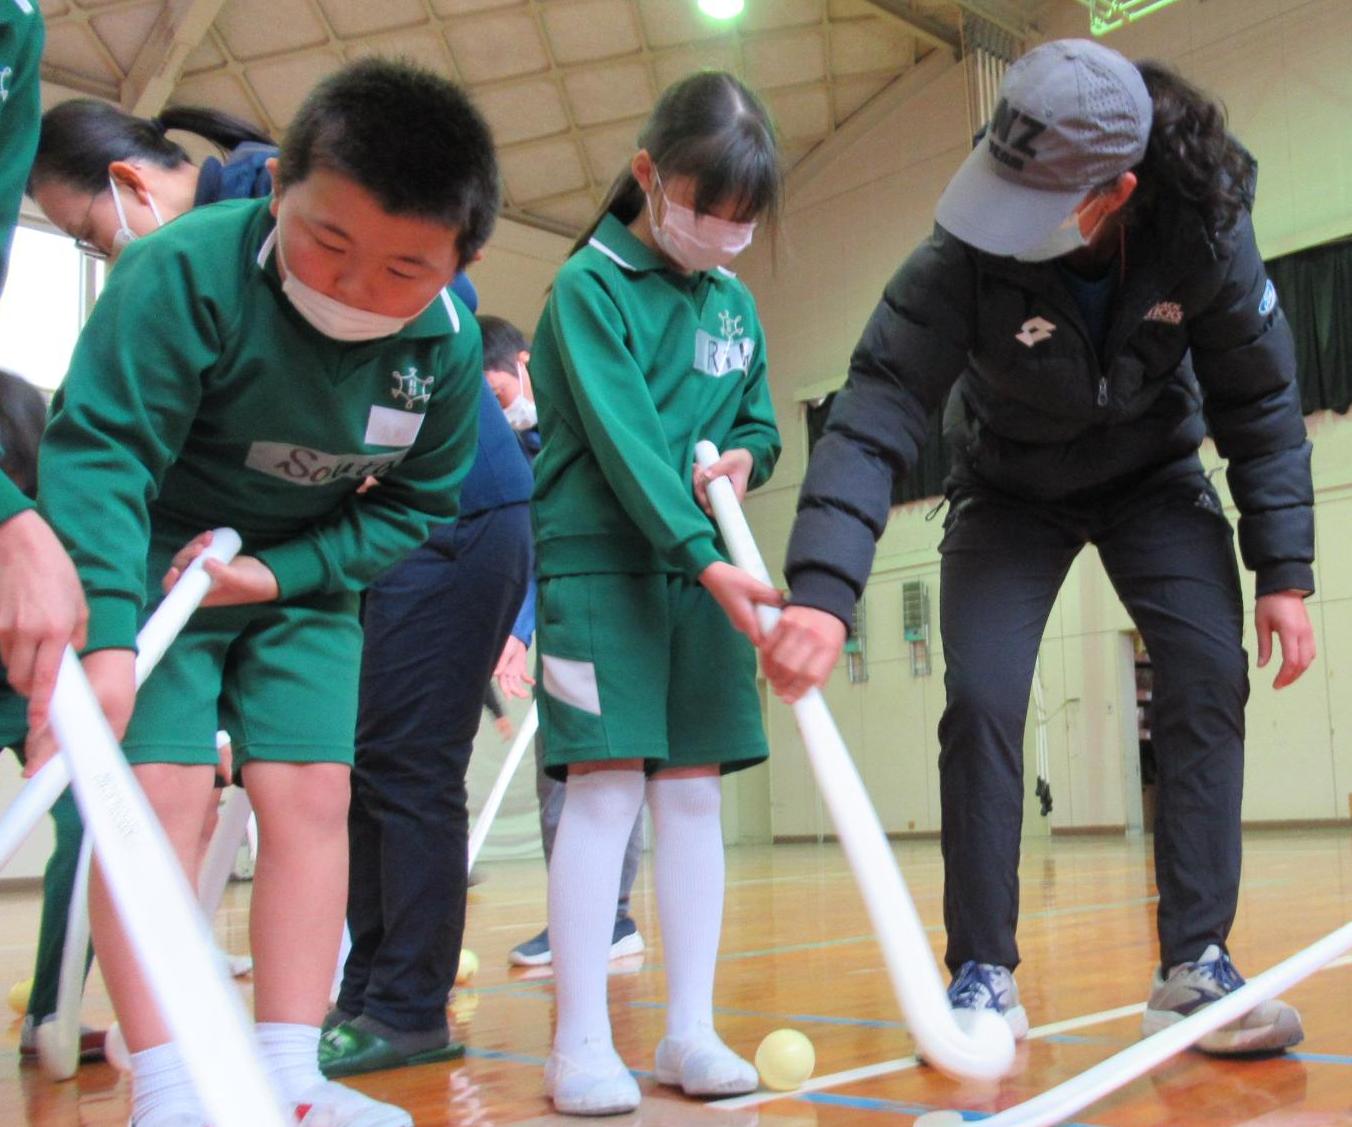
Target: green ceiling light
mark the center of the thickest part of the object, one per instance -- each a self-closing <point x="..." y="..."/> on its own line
<point x="722" y="9"/>
<point x="1109" y="15"/>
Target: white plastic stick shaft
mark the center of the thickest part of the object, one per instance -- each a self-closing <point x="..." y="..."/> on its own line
<point x="33" y="801"/>
<point x="484" y="822"/>
<point x="989" y="1051"/>
<point x="58" y="1037"/>
<point x="159" y="914"/>
<point x="45" y="787"/>
<point x="219" y="862"/>
<point x="1060" y="1103"/>
<point x="177" y="606"/>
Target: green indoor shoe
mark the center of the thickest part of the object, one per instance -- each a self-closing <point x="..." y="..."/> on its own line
<point x="349" y="1050"/>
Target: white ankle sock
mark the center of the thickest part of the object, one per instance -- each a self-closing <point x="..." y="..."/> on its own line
<point x="599" y="809"/>
<point x="688" y="872"/>
<point x="160" y="1086"/>
<point x="291" y="1053"/>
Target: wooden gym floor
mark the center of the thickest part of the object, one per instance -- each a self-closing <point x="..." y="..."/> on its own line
<point x="796" y="952"/>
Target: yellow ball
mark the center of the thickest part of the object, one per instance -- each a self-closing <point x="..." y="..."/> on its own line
<point x="785" y="1059"/>
<point x="18" y="995"/>
<point x="469" y="967"/>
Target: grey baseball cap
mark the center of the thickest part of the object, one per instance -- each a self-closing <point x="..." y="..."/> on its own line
<point x="1071" y="114"/>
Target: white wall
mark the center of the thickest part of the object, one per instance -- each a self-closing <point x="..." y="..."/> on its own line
<point x="863" y="204"/>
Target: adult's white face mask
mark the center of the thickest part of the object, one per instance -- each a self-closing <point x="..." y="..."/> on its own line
<point x="697" y="242"/>
<point x="521" y="413"/>
<point x="1066" y="239"/>
<point x="330" y="316"/>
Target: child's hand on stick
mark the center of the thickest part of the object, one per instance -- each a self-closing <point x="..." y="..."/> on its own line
<point x="739" y="594"/>
<point x="735" y="465"/>
<point x="245" y="579"/>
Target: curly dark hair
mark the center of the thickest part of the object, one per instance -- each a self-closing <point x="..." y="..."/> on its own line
<point x="1191" y="156"/>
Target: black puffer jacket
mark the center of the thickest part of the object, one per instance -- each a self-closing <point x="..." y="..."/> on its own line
<point x="1196" y="339"/>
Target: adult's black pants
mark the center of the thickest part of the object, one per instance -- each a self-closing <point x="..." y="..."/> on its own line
<point x="1168" y="551"/>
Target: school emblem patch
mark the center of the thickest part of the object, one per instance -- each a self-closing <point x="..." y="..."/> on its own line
<point x="411" y="389"/>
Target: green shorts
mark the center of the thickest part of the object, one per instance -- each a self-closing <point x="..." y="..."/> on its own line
<point x="644" y="667"/>
<point x="280" y="678"/>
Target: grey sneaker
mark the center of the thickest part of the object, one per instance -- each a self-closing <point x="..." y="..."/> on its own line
<point x="985" y="986"/>
<point x="1268" y="1028"/>
<point x="535" y="952"/>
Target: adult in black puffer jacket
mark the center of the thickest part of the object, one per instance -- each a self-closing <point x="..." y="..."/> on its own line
<point x="1091" y="302"/>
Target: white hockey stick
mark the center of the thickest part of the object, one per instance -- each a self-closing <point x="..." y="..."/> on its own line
<point x="1058" y="1104"/>
<point x="988" y="1050"/>
<point x="160" y="916"/>
<point x="58" y="1038"/>
<point x="45" y="787"/>
<point x="153" y="900"/>
<point x="484" y="822"/>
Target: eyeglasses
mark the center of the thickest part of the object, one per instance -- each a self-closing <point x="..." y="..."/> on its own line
<point x="84" y="246"/>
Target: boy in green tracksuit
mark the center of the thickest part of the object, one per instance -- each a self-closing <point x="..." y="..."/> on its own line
<point x="647" y="346"/>
<point x="252" y="364"/>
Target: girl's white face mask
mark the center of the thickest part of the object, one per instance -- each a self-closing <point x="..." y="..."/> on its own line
<point x="330" y="316"/>
<point x="124" y="234"/>
<point x="697" y="242"/>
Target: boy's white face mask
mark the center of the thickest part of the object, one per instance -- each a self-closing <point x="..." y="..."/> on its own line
<point x="697" y="242"/>
<point x="521" y="413"/>
<point x="330" y="316"/>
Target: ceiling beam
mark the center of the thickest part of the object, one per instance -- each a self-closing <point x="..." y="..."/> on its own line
<point x="174" y="36"/>
<point x="922" y="24"/>
<point x="1004" y="15"/>
<point x="827" y="155"/>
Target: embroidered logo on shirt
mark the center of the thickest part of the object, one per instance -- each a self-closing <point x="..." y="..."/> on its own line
<point x="6" y="76"/>
<point x="301" y="465"/>
<point x="1269" y="302"/>
<point x="1169" y="312"/>
<point x="410" y="388"/>
<point x="732" y="352"/>
<point x="1035" y="331"/>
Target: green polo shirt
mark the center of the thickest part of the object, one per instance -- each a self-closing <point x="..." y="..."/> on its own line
<point x="198" y="397"/>
<point x="632" y="364"/>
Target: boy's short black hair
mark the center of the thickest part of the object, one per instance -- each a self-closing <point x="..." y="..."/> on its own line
<point x="502" y="342"/>
<point x="409" y="137"/>
<point x="23" y="414"/>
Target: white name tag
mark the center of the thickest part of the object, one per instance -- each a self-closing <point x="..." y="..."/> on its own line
<point x="388" y="426"/>
<point x="301" y="465"/>
<point x="717" y="357"/>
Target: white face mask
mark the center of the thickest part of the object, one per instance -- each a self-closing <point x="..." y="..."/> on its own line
<point x="332" y="318"/>
<point x="124" y="234"/>
<point x="521" y="413"/>
<point x="697" y="242"/>
<point x="1066" y="239"/>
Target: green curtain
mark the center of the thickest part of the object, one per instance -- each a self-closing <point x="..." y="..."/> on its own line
<point x="1315" y="288"/>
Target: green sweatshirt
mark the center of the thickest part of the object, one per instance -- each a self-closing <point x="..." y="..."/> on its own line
<point x="198" y="397"/>
<point x="633" y="364"/>
<point x="21" y="36"/>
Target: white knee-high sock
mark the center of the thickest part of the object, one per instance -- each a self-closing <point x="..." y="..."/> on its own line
<point x="688" y="870"/>
<point x="599" y="809"/>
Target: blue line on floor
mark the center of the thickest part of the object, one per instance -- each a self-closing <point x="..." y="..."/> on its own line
<point x="1321" y="1058"/>
<point x="865" y="1103"/>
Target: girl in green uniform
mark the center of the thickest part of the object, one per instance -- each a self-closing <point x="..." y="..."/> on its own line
<point x="252" y="364"/>
<point x="647" y="345"/>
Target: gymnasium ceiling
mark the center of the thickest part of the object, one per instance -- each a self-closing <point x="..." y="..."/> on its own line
<point x="565" y="84"/>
